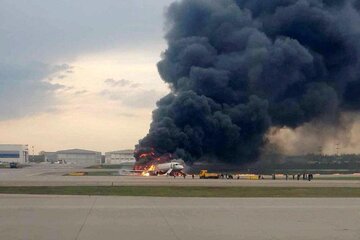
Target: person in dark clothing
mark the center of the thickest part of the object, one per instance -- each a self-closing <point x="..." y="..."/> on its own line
<point x="310" y="177"/>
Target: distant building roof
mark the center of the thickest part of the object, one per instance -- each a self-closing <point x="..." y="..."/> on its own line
<point x="46" y="153"/>
<point x="12" y="145"/>
<point x="127" y="151"/>
<point x="77" y="151"/>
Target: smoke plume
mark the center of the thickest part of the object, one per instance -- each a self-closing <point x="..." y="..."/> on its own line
<point x="238" y="68"/>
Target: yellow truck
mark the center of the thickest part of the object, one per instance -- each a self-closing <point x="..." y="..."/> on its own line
<point x="204" y="174"/>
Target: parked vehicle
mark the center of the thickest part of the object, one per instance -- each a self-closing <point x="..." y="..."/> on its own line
<point x="13" y="165"/>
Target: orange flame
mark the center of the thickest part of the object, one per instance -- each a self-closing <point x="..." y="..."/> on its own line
<point x="146" y="172"/>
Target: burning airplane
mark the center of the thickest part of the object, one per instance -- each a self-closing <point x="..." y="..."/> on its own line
<point x="150" y="163"/>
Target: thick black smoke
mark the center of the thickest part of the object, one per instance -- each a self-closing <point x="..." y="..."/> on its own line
<point x="236" y="68"/>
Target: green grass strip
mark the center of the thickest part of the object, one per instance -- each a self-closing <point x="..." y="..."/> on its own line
<point x="231" y="192"/>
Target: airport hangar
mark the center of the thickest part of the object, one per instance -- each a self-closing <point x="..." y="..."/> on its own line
<point x="16" y="153"/>
<point x="120" y="157"/>
<point x="74" y="156"/>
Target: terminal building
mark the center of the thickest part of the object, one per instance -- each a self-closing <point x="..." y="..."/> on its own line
<point x="14" y="153"/>
<point x="120" y="157"/>
<point x="74" y="156"/>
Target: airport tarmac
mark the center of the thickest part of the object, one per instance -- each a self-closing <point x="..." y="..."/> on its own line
<point x="34" y="217"/>
<point x="52" y="175"/>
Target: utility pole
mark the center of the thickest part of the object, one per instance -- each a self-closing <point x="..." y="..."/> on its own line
<point x="320" y="155"/>
<point x="320" y="150"/>
<point x="33" y="153"/>
<point x="337" y="149"/>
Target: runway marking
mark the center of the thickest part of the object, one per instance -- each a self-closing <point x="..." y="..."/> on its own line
<point x="86" y="218"/>
<point x="172" y="230"/>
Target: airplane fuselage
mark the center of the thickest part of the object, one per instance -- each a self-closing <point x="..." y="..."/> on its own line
<point x="167" y="168"/>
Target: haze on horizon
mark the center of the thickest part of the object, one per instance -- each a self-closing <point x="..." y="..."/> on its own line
<point x="82" y="74"/>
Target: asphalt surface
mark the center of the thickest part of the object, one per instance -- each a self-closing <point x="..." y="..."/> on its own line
<point x="35" y="217"/>
<point x="52" y="175"/>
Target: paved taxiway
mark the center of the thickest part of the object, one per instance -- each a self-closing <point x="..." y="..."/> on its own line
<point x="79" y="217"/>
<point x="52" y="175"/>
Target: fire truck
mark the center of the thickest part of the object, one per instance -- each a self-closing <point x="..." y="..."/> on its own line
<point x="204" y="174"/>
